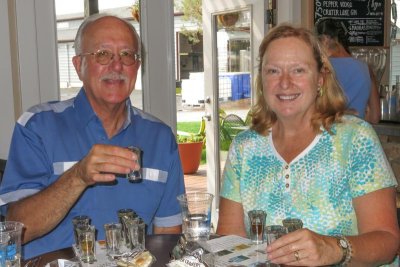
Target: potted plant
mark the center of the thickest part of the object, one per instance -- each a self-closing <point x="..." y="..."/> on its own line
<point x="135" y="10"/>
<point x="190" y="148"/>
<point x="192" y="12"/>
<point x="228" y="19"/>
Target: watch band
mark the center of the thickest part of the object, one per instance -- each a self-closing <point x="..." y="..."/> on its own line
<point x="346" y="247"/>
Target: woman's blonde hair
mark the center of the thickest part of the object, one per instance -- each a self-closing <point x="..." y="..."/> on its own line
<point x="330" y="105"/>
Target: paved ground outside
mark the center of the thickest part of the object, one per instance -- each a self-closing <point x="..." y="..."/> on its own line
<point x="197" y="182"/>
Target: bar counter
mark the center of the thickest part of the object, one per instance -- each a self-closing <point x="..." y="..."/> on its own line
<point x="387" y="128"/>
<point x="389" y="135"/>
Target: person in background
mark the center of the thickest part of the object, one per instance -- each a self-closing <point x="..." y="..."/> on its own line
<point x="65" y="156"/>
<point x="306" y="157"/>
<point x="356" y="77"/>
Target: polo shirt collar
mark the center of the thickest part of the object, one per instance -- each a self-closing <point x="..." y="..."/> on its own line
<point x="86" y="113"/>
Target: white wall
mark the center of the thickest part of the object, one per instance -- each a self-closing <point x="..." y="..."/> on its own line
<point x="29" y="72"/>
<point x="37" y="51"/>
<point x="158" y="80"/>
<point x="6" y="94"/>
<point x="288" y="11"/>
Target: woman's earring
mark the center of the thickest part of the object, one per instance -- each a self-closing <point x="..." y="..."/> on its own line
<point x="320" y="91"/>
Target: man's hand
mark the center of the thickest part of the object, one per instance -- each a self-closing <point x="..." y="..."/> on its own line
<point x="103" y="162"/>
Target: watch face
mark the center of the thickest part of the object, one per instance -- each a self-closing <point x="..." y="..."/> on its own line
<point x="343" y="243"/>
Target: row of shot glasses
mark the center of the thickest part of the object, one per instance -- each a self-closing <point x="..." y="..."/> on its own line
<point x="259" y="232"/>
<point x="121" y="238"/>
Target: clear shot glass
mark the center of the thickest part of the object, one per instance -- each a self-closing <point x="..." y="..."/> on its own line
<point x="79" y="221"/>
<point x="257" y="224"/>
<point x="292" y="224"/>
<point x="135" y="176"/>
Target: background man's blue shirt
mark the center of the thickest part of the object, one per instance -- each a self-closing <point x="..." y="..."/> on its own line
<point x="49" y="138"/>
<point x="353" y="76"/>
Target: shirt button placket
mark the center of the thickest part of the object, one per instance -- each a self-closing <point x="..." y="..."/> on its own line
<point x="286" y="175"/>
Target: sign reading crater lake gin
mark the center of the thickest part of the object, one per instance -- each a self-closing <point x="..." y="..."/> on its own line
<point x="363" y="20"/>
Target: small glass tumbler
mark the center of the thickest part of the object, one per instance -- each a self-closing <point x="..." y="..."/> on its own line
<point x="125" y="215"/>
<point x="136" y="229"/>
<point x="11" y="243"/>
<point x="87" y="243"/>
<point x="78" y="221"/>
<point x="196" y="215"/>
<point x="273" y="232"/>
<point x="135" y="176"/>
<point x="257" y="225"/>
<point x="4" y="239"/>
<point x="113" y="238"/>
<point x="292" y="224"/>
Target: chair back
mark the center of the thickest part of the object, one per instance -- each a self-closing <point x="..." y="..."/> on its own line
<point x="230" y="122"/>
<point x="224" y="139"/>
<point x="248" y="119"/>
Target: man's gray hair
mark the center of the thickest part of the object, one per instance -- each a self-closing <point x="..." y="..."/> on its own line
<point x="93" y="18"/>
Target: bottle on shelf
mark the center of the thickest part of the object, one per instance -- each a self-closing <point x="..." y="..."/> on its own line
<point x="392" y="101"/>
<point x="398" y="97"/>
<point x="384" y="102"/>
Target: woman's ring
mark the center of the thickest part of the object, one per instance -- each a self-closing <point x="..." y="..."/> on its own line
<point x="296" y="255"/>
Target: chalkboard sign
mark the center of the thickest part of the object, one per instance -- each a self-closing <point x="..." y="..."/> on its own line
<point x="362" y="20"/>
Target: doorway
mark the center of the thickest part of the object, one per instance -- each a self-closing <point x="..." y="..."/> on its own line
<point x="232" y="34"/>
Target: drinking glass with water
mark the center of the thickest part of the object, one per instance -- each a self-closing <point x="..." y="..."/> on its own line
<point x="196" y="215"/>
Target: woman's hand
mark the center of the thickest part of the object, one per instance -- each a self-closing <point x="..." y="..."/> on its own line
<point x="304" y="248"/>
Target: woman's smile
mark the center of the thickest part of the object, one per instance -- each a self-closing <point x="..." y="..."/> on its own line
<point x="287" y="97"/>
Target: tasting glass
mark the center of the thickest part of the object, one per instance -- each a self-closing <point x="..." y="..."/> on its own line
<point x="87" y="243"/>
<point x="135" y="176"/>
<point x="113" y="238"/>
<point x="257" y="225"/>
<point x="273" y="232"/>
<point x="196" y="215"/>
<point x="292" y="224"/>
<point x="11" y="243"/>
<point x="124" y="216"/>
<point x="78" y="221"/>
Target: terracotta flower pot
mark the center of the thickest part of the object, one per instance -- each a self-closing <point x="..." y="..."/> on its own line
<point x="229" y="19"/>
<point x="135" y="14"/>
<point x="190" y="154"/>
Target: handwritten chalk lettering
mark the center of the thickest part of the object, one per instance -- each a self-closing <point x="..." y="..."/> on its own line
<point x="335" y="12"/>
<point x="375" y="5"/>
<point x="371" y="40"/>
<point x="346" y="4"/>
<point x="318" y="10"/>
<point x="375" y="14"/>
<point x="356" y="39"/>
<point x="331" y="4"/>
<point x="362" y="19"/>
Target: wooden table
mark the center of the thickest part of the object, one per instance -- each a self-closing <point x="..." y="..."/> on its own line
<point x="159" y="245"/>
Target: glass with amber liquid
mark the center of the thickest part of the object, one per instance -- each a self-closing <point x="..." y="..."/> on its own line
<point x="87" y="240"/>
<point x="257" y="224"/>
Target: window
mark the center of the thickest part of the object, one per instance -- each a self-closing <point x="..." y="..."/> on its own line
<point x="69" y="17"/>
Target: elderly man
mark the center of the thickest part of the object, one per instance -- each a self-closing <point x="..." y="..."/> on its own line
<point x="65" y="156"/>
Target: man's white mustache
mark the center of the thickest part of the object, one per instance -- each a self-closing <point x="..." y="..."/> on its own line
<point x="114" y="76"/>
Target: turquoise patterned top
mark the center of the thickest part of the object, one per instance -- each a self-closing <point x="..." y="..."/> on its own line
<point x="317" y="186"/>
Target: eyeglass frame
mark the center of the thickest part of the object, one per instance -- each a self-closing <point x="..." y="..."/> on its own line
<point x="137" y="57"/>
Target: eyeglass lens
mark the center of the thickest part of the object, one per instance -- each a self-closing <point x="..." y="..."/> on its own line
<point x="127" y="57"/>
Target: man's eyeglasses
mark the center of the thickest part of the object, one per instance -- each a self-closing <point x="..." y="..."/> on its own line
<point x="104" y="57"/>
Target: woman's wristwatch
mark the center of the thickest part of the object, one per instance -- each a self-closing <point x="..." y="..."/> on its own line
<point x="345" y="245"/>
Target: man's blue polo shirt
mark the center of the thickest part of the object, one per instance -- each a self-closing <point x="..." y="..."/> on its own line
<point x="49" y="138"/>
<point x="355" y="80"/>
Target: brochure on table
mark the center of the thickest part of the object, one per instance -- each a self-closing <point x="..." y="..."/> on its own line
<point x="234" y="250"/>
